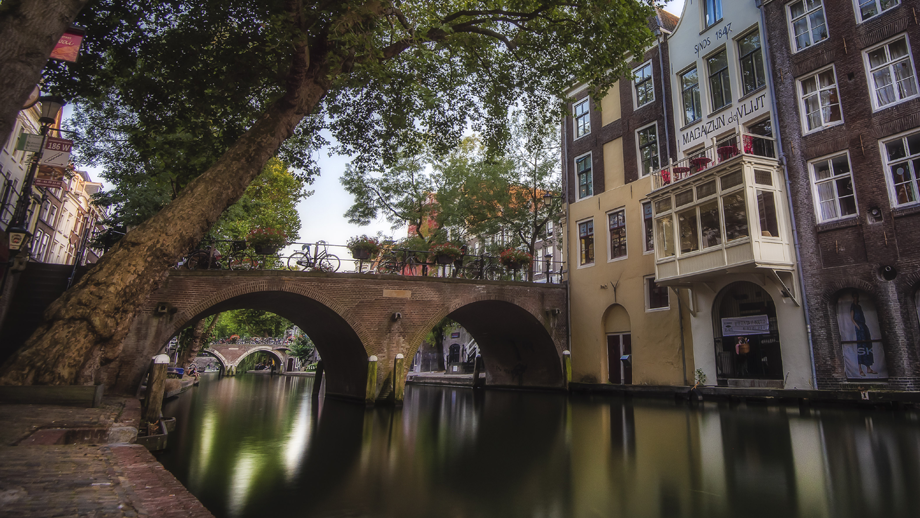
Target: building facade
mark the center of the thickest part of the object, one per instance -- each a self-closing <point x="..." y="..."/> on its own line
<point x="626" y="328"/>
<point x="846" y="82"/>
<point x="724" y="233"/>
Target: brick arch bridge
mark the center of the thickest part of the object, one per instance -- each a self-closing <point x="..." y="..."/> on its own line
<point x="521" y="328"/>
<point x="230" y="355"/>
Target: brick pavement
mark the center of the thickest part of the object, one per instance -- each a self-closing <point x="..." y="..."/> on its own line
<point x="39" y="478"/>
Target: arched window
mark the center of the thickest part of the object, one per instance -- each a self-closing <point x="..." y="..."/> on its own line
<point x="860" y="336"/>
<point x="746" y="332"/>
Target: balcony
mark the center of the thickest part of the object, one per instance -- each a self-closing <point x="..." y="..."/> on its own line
<point x="722" y="152"/>
<point x="722" y="210"/>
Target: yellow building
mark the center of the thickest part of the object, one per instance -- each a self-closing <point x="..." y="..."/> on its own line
<point x="626" y="329"/>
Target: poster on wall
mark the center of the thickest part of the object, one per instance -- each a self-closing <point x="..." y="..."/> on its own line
<point x="860" y="337"/>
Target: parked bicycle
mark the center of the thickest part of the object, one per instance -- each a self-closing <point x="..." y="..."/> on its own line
<point x="320" y="260"/>
<point x="401" y="261"/>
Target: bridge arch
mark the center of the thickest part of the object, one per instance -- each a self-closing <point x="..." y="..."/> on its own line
<point x="262" y="349"/>
<point x="514" y="338"/>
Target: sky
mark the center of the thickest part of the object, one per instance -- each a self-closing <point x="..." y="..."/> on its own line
<point x="322" y="214"/>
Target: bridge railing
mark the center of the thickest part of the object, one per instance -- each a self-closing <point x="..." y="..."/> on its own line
<point x="325" y="257"/>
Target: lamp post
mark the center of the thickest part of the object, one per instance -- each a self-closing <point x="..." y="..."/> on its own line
<point x="18" y="232"/>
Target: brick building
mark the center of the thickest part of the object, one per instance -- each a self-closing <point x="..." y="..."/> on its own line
<point x="845" y="75"/>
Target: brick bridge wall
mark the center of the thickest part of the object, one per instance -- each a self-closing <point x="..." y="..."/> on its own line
<point x="230" y="355"/>
<point x="521" y="328"/>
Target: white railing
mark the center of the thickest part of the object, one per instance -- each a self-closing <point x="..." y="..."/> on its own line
<point x="720" y="151"/>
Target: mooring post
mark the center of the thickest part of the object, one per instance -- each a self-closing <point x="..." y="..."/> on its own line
<point x="567" y="368"/>
<point x="399" y="379"/>
<point x="318" y="379"/>
<point x="156" y="388"/>
<point x="476" y="367"/>
<point x="370" y="392"/>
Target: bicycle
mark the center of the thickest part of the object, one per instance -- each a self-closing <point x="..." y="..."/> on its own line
<point x="320" y="260"/>
<point x="401" y="261"/>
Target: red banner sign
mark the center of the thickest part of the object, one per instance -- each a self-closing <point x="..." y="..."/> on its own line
<point x="68" y="47"/>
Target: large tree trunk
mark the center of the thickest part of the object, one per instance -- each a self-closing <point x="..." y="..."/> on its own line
<point x="84" y="328"/>
<point x="29" y="29"/>
<point x="194" y="347"/>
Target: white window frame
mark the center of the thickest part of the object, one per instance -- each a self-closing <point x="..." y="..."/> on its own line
<point x="646" y="228"/>
<point x="870" y="80"/>
<point x="791" y="27"/>
<point x="878" y="5"/>
<point x="915" y="173"/>
<point x="706" y="5"/>
<point x="578" y="180"/>
<point x="648" y="300"/>
<point x="594" y="242"/>
<point x="833" y="181"/>
<point x="643" y="172"/>
<point x="583" y="117"/>
<point x="650" y="81"/>
<point x="742" y="57"/>
<point x="803" y="110"/>
<point x="699" y="95"/>
<point x="724" y="73"/>
<point x="610" y="257"/>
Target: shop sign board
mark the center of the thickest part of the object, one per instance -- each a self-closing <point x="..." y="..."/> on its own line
<point x="744" y="326"/>
<point x="29" y="142"/>
<point x="49" y="176"/>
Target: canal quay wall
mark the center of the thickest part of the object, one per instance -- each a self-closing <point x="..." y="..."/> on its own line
<point x="863" y="398"/>
<point x="75" y="461"/>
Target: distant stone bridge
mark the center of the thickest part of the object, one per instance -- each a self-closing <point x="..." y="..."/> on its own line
<point x="230" y="355"/>
<point x="521" y="328"/>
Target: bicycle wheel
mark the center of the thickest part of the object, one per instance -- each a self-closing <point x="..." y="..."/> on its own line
<point x="298" y="262"/>
<point x="242" y="261"/>
<point x="329" y="263"/>
<point x="197" y="260"/>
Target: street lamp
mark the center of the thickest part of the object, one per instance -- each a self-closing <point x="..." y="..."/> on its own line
<point x="18" y="233"/>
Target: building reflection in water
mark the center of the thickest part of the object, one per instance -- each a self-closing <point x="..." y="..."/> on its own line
<point x="253" y="446"/>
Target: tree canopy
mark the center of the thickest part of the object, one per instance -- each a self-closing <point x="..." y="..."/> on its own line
<point x="222" y="86"/>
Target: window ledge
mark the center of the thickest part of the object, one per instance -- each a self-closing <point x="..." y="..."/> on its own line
<point x="655" y="310"/>
<point x="752" y="93"/>
<point x="876" y="109"/>
<point x="822" y="128"/>
<point x="906" y="211"/>
<point x="842" y="223"/>
<point x="810" y="47"/>
<point x="720" y="110"/>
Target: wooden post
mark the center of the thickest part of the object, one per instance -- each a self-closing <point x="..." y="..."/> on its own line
<point x="156" y="388"/>
<point x="318" y="379"/>
<point x="399" y="379"/>
<point x="370" y="391"/>
<point x="567" y="368"/>
<point x="476" y="368"/>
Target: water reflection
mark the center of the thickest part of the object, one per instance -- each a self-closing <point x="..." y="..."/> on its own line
<point x="255" y="445"/>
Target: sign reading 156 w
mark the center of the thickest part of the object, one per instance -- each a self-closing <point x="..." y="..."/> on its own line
<point x="57" y="152"/>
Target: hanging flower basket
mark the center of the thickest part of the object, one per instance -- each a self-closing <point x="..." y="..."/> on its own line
<point x="446" y="253"/>
<point x="514" y="259"/>
<point x="363" y="247"/>
<point x="266" y="240"/>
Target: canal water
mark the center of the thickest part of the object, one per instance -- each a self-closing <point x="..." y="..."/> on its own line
<point x="256" y="445"/>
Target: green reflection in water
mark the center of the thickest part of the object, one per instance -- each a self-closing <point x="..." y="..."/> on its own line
<point x="256" y="446"/>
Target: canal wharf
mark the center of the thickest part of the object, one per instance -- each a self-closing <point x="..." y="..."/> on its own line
<point x="859" y="396"/>
<point x="862" y="396"/>
<point x="58" y="460"/>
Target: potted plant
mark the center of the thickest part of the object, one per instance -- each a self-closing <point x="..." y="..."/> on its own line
<point x="513" y="258"/>
<point x="363" y="247"/>
<point x="266" y="240"/>
<point x="445" y="253"/>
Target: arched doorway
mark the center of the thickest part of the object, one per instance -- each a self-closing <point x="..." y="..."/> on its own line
<point x="860" y="336"/>
<point x="746" y="333"/>
<point x="619" y="345"/>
